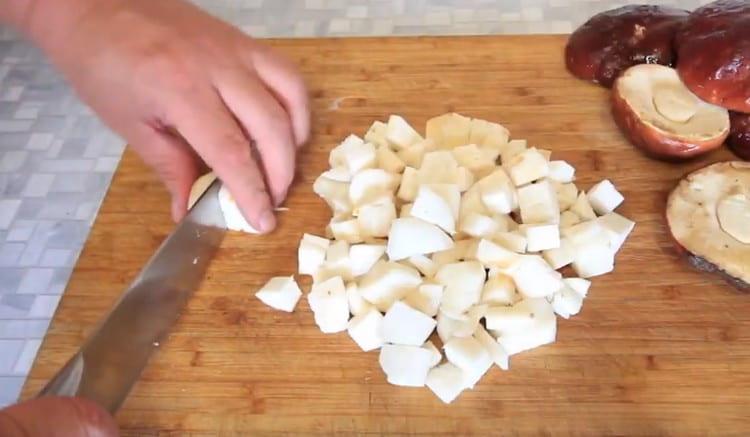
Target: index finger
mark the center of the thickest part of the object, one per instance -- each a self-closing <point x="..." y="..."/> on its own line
<point x="212" y="131"/>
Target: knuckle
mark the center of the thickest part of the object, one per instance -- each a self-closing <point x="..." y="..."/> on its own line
<point x="237" y="153"/>
<point x="277" y="125"/>
<point x="159" y="60"/>
<point x="298" y="87"/>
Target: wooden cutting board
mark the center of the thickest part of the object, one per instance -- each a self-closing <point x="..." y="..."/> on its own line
<point x="657" y="350"/>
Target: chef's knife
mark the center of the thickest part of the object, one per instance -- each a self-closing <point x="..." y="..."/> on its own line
<point x="111" y="360"/>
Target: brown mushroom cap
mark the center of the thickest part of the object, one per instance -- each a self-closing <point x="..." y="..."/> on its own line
<point x="660" y="116"/>
<point x="707" y="214"/>
<point x="610" y="42"/>
<point x="714" y="53"/>
<point x="739" y="136"/>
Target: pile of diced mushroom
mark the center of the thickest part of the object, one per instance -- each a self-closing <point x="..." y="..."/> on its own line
<point x="460" y="231"/>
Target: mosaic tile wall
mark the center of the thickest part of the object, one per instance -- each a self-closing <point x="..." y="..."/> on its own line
<point x="56" y="159"/>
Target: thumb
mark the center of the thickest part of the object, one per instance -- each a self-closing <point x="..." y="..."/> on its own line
<point x="57" y="416"/>
<point x="174" y="161"/>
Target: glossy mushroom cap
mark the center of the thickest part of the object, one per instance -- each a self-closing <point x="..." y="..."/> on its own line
<point x="612" y="41"/>
<point x="714" y="54"/>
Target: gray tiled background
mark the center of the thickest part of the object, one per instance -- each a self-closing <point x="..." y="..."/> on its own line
<point x="56" y="160"/>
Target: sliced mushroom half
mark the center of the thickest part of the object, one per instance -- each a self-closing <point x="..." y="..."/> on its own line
<point x="708" y="214"/>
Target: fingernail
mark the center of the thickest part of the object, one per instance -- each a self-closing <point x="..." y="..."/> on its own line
<point x="177" y="211"/>
<point x="280" y="200"/>
<point x="267" y="222"/>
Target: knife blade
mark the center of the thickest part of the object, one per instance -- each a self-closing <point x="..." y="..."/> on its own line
<point x="112" y="358"/>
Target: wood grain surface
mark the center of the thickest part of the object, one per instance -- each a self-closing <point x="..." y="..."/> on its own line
<point x="658" y="349"/>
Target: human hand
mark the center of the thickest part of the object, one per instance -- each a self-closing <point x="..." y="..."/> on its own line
<point x="184" y="88"/>
<point x="55" y="416"/>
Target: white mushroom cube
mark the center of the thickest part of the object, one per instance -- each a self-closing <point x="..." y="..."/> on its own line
<point x="447" y="382"/>
<point x="579" y="285"/>
<point x="357" y="304"/>
<point x="336" y="264"/>
<point x="538" y="203"/>
<point x="405" y="210"/>
<point x="281" y="293"/>
<point x="347" y="230"/>
<point x="528" y="166"/>
<point x="500" y="290"/>
<point x="463" y="283"/>
<point x="433" y="208"/>
<point x="473" y="158"/>
<point x="363" y="256"/>
<point x="541" y="237"/>
<point x="535" y="278"/>
<point x="498" y="193"/>
<point x="388" y="160"/>
<point x="457" y="252"/>
<point x="497" y="353"/>
<point x="511" y="149"/>
<point x="339" y="174"/>
<point x="567" y="194"/>
<point x="469" y="355"/>
<point x="405" y="366"/>
<point x="491" y="254"/>
<point x="426" y="298"/>
<point x="561" y="171"/>
<point x="527" y="324"/>
<point x="335" y="194"/>
<point x="488" y="134"/>
<point x="459" y="325"/>
<point x="366" y="330"/>
<point x="371" y="184"/>
<point x="518" y="317"/>
<point x="478" y="225"/>
<point x="568" y="219"/>
<point x="424" y="264"/>
<point x="594" y="258"/>
<point x="449" y="130"/>
<point x="471" y="202"/>
<point x="450" y="193"/>
<point x="514" y="241"/>
<point x="405" y="325"/>
<point x="582" y="208"/>
<point x="542" y="333"/>
<point x="388" y="282"/>
<point x="413" y="155"/>
<point x="233" y="217"/>
<point x="618" y="228"/>
<point x="464" y="178"/>
<point x="376" y="134"/>
<point x="604" y="197"/>
<point x="411" y="236"/>
<point x="354" y="154"/>
<point x="560" y="257"/>
<point x="438" y="167"/>
<point x="311" y="253"/>
<point x="585" y="232"/>
<point x="407" y="191"/>
<point x="567" y="302"/>
<point x="437" y="356"/>
<point x="400" y="134"/>
<point x="330" y="305"/>
<point x="374" y="219"/>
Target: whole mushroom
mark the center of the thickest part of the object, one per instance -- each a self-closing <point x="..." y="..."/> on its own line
<point x="612" y="41"/>
<point x="714" y="54"/>
<point x="739" y="137"/>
